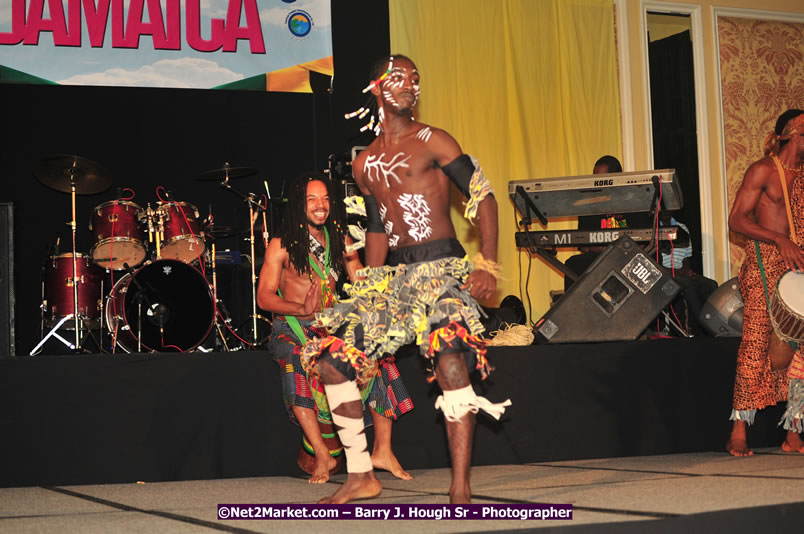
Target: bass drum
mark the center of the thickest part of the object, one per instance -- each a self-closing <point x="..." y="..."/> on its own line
<point x="165" y="305"/>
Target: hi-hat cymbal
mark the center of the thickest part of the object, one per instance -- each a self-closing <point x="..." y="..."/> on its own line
<point x="232" y="173"/>
<point x="60" y="171"/>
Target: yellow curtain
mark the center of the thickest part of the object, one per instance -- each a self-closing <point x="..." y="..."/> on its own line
<point x="529" y="87"/>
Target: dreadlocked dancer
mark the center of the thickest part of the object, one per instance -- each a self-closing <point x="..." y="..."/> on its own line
<point x="760" y="213"/>
<point x="299" y="276"/>
<point x="425" y="294"/>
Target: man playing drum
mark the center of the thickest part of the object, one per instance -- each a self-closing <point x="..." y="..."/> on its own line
<point x="298" y="278"/>
<point x="769" y="211"/>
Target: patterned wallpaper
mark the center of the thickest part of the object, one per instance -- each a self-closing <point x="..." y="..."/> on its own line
<point x="762" y="75"/>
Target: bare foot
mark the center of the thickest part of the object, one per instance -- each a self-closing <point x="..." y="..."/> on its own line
<point x="461" y="495"/>
<point x="738" y="442"/>
<point x="323" y="465"/>
<point x="388" y="462"/>
<point x="793" y="443"/>
<point x="357" y="486"/>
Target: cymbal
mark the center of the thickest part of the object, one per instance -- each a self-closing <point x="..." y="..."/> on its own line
<point x="60" y="171"/>
<point x="233" y="173"/>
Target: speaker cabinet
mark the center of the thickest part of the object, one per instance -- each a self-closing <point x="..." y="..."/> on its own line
<point x="614" y="299"/>
<point x="722" y="313"/>
<point x="7" y="280"/>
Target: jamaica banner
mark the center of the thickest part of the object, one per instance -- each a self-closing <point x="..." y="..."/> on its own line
<point x="267" y="45"/>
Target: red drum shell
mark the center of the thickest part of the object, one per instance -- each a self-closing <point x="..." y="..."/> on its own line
<point x="59" y="289"/>
<point x="183" y="236"/>
<point x="118" y="234"/>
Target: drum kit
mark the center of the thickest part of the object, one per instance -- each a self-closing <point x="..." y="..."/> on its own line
<point x="158" y="263"/>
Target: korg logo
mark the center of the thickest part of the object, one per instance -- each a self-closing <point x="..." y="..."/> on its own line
<point x="603" y="237"/>
<point x="604" y="182"/>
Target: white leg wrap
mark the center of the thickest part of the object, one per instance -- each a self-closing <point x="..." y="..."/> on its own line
<point x="351" y="431"/>
<point x="458" y="402"/>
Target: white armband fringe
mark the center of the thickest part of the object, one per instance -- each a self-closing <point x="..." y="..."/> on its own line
<point x="479" y="188"/>
<point x="458" y="402"/>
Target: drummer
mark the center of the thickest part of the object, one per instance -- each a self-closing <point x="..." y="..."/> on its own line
<point x="774" y="226"/>
<point x="298" y="278"/>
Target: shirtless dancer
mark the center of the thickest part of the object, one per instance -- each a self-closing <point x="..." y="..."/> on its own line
<point x="423" y="292"/>
<point x="298" y="278"/>
<point x="759" y="213"/>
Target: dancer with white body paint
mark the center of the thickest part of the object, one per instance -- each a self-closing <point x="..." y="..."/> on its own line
<point x="419" y="286"/>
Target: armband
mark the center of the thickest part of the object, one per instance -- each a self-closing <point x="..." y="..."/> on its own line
<point x="460" y="171"/>
<point x="468" y="176"/>
<point x="374" y="221"/>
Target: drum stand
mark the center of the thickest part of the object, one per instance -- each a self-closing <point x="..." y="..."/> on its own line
<point x="253" y="205"/>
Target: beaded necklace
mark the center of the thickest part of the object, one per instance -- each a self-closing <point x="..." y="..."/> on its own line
<point x="327" y="291"/>
<point x="794" y="170"/>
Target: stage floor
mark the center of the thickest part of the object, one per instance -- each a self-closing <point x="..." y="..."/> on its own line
<point x="693" y="492"/>
<point x="103" y="419"/>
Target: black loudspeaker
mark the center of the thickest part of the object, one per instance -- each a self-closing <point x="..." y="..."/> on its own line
<point x="7" y="280"/>
<point x="614" y="299"/>
<point x="722" y="314"/>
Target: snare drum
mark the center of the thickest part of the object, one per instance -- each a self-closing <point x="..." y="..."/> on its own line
<point x="118" y="235"/>
<point x="59" y="289"/>
<point x="183" y="237"/>
<point x="787" y="307"/>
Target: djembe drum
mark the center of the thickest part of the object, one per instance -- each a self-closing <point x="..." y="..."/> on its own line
<point x="786" y="310"/>
<point x="306" y="458"/>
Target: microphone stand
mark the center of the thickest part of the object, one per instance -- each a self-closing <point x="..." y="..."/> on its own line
<point x="253" y="205"/>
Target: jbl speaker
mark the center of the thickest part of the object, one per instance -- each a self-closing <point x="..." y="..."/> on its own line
<point x="7" y="279"/>
<point x="614" y="299"/>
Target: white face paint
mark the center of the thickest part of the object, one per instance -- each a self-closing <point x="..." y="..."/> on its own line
<point x="415" y="211"/>
<point x="375" y="168"/>
<point x="390" y="98"/>
<point x="397" y="76"/>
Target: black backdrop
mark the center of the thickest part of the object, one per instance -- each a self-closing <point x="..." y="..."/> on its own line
<point x="149" y="137"/>
<point x="675" y="138"/>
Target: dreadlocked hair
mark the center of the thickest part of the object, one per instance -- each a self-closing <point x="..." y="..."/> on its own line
<point x="293" y="230"/>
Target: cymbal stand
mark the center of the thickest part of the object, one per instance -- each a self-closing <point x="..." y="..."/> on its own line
<point x="54" y="333"/>
<point x="73" y="226"/>
<point x="253" y="205"/>
<point x="218" y="310"/>
<point x="75" y="281"/>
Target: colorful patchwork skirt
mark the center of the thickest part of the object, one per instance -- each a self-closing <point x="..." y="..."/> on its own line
<point x="395" y="305"/>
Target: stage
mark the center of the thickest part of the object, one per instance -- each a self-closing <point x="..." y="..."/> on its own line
<point x="693" y="492"/>
<point x="98" y="419"/>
